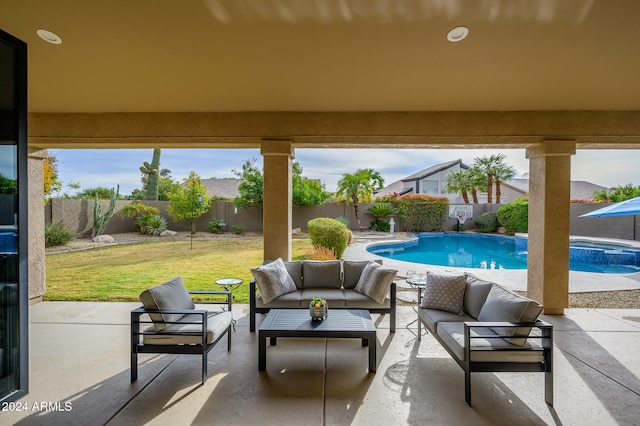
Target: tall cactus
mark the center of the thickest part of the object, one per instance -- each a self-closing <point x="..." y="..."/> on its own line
<point x="152" y="172"/>
<point x="101" y="220"/>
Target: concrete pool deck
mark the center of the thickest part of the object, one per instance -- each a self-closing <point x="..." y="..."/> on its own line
<point x="514" y="279"/>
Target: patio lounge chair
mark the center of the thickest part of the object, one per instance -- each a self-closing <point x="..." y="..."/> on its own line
<point x="175" y="326"/>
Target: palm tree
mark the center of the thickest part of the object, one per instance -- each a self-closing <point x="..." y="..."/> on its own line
<point x="490" y="166"/>
<point x="359" y="187"/>
<point x="478" y="182"/>
<point x="502" y="174"/>
<point x="459" y="182"/>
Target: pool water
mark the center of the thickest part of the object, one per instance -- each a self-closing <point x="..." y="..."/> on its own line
<point x="490" y="252"/>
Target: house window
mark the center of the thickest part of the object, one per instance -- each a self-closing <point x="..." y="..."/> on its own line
<point x="430" y="187"/>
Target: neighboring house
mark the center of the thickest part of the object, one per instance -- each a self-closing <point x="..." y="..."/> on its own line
<point x="432" y="181"/>
<point x="227" y="188"/>
<point x="580" y="190"/>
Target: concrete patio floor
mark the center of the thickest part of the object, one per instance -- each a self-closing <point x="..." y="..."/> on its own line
<point x="79" y="374"/>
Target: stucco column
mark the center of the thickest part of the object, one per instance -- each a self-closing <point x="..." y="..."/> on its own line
<point x="549" y="196"/>
<point x="37" y="267"/>
<point x="277" y="216"/>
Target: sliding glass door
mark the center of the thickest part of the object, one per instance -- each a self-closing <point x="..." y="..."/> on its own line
<point x="13" y="220"/>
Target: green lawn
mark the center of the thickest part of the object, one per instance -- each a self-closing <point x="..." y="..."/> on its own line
<point x="122" y="272"/>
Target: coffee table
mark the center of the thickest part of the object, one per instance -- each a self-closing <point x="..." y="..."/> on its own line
<point x="340" y="323"/>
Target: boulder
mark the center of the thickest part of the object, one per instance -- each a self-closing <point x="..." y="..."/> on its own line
<point x="103" y="239"/>
<point x="168" y="233"/>
<point x="502" y="230"/>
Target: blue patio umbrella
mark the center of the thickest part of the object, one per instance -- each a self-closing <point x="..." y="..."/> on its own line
<point x="624" y="208"/>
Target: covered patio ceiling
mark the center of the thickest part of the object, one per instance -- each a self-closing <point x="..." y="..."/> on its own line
<point x="329" y="55"/>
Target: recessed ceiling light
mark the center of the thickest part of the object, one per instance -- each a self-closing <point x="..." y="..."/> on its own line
<point x="457" y="34"/>
<point x="48" y="36"/>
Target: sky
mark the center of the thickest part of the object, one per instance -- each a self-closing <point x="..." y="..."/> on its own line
<point x="110" y="167"/>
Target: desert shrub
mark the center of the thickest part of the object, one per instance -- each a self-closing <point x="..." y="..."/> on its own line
<point x="56" y="234"/>
<point x="422" y="213"/>
<point x="320" y="253"/>
<point x="152" y="224"/>
<point x="486" y="222"/>
<point x="380" y="225"/>
<point x="514" y="216"/>
<point x="238" y="229"/>
<point x="343" y="220"/>
<point x="329" y="233"/>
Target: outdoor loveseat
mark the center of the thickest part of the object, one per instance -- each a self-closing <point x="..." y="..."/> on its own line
<point x="487" y="328"/>
<point x="343" y="284"/>
<point x="175" y="326"/>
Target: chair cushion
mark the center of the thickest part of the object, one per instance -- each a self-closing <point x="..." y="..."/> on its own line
<point x="475" y="295"/>
<point x="505" y="305"/>
<point x="273" y="280"/>
<point x="187" y="334"/>
<point x="444" y="292"/>
<point x="452" y="334"/>
<point x="321" y="274"/>
<point x="375" y="281"/>
<point x="171" y="295"/>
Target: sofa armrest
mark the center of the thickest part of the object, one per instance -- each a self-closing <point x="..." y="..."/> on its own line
<point x="228" y="294"/>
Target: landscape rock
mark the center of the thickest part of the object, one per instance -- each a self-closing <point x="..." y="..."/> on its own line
<point x="103" y="239"/>
<point x="295" y="231"/>
<point x="168" y="233"/>
<point x="502" y="230"/>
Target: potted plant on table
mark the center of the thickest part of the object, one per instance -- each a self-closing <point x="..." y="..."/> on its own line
<point x="318" y="309"/>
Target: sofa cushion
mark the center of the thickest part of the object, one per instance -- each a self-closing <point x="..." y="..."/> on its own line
<point x="321" y="274"/>
<point x="432" y="317"/>
<point x="295" y="270"/>
<point x="355" y="300"/>
<point x="187" y="334"/>
<point x="475" y="295"/>
<point x="505" y="305"/>
<point x="444" y="292"/>
<point x="273" y="280"/>
<point x="452" y="335"/>
<point x="334" y="297"/>
<point x="289" y="300"/>
<point x="171" y="295"/>
<point x="375" y="281"/>
<point x="352" y="270"/>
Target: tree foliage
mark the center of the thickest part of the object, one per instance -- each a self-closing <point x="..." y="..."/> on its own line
<point x="496" y="172"/>
<point x="190" y="201"/>
<point x="304" y="191"/>
<point x="617" y="194"/>
<point x="357" y="187"/>
<point x="50" y="174"/>
<point x="7" y="186"/>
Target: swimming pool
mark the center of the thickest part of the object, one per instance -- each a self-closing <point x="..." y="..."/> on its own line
<point x="502" y="252"/>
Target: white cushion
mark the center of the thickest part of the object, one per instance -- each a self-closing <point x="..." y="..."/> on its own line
<point x="444" y="292"/>
<point x="375" y="281"/>
<point x="273" y="280"/>
<point x="171" y="295"/>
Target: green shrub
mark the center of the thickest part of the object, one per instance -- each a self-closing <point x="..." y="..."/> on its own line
<point x="486" y="222"/>
<point x="343" y="220"/>
<point x="422" y="213"/>
<point x="238" y="229"/>
<point x="152" y="224"/>
<point x="329" y="233"/>
<point x="56" y="234"/>
<point x="380" y="225"/>
<point x="215" y="227"/>
<point x="514" y="216"/>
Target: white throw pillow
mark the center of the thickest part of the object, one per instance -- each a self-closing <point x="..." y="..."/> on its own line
<point x="444" y="292"/>
<point x="273" y="280"/>
<point x="375" y="281"/>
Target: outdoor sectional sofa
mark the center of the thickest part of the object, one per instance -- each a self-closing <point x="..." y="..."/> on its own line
<point x="343" y="284"/>
<point x="487" y="328"/>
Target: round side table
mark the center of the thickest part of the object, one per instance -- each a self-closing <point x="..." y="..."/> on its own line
<point x="230" y="284"/>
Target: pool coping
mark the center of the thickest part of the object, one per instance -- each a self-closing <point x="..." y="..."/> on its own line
<point x="514" y="279"/>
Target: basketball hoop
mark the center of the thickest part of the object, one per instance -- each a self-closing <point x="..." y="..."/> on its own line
<point x="461" y="215"/>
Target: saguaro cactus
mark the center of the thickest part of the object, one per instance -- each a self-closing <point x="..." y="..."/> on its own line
<point x="152" y="172"/>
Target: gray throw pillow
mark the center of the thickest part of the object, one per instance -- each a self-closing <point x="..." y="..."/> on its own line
<point x="444" y="292"/>
<point x="171" y="295"/>
<point x="352" y="270"/>
<point x="375" y="281"/>
<point x="273" y="280"/>
<point x="475" y="294"/>
<point x="505" y="305"/>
